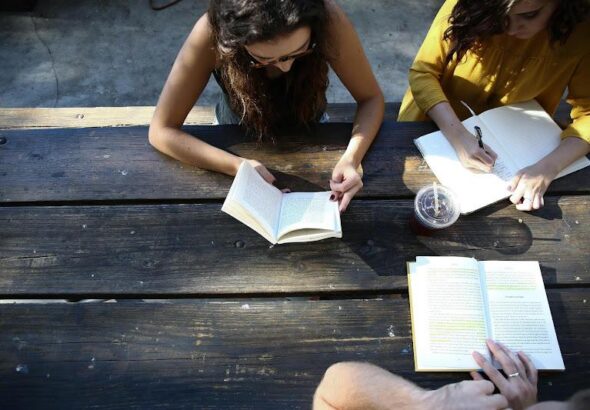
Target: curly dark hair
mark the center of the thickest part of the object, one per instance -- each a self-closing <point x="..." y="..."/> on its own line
<point x="472" y="22"/>
<point x="262" y="105"/>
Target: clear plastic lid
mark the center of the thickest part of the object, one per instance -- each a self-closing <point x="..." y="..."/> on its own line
<point x="436" y="206"/>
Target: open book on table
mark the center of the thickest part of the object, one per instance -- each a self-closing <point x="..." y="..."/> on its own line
<point x="281" y="217"/>
<point x="521" y="134"/>
<point x="456" y="303"/>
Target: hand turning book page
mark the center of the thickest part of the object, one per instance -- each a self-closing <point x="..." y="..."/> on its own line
<point x="521" y="134"/>
<point x="281" y="217"/>
<point x="457" y="303"/>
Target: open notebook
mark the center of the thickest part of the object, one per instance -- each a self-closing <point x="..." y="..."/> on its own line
<point x="281" y="217"/>
<point x="521" y="134"/>
<point x="456" y="303"/>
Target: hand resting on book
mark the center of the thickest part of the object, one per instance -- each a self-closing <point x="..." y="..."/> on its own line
<point x="519" y="386"/>
<point x="261" y="169"/>
<point x="530" y="183"/>
<point x="265" y="173"/>
<point x="352" y="385"/>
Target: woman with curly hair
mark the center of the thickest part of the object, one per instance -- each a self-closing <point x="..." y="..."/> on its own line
<point x="498" y="52"/>
<point x="271" y="60"/>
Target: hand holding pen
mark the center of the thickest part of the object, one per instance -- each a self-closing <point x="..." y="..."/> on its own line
<point x="479" y="137"/>
<point x="470" y="152"/>
<point x="489" y="153"/>
<point x="480" y="143"/>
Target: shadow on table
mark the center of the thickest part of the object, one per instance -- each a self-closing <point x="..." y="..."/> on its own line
<point x="377" y="232"/>
<point x="380" y="235"/>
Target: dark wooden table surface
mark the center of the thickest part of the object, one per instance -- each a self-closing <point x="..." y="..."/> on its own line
<point x="123" y="285"/>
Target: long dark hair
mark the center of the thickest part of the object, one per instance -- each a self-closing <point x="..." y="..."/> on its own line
<point x="236" y="23"/>
<point x="472" y="22"/>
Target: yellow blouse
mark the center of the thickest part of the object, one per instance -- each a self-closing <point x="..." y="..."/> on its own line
<point x="509" y="70"/>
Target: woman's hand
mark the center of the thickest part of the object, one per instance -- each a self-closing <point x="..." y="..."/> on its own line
<point x="261" y="169"/>
<point x="520" y="385"/>
<point x="471" y="155"/>
<point x="467" y="394"/>
<point x="345" y="182"/>
<point x="529" y="186"/>
<point x="464" y="142"/>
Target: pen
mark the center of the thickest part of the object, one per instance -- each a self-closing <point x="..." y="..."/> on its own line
<point x="479" y="137"/>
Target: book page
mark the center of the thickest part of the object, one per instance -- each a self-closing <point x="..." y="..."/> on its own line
<point x="475" y="189"/>
<point x="308" y="210"/>
<point x="519" y="311"/>
<point x="258" y="198"/>
<point x="448" y="316"/>
<point x="527" y="133"/>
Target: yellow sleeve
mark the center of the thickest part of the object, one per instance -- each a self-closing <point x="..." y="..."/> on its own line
<point x="426" y="71"/>
<point x="579" y="98"/>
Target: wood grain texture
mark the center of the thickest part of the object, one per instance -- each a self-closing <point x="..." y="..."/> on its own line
<point x="227" y="353"/>
<point x="86" y="117"/>
<point x="119" y="164"/>
<point x="90" y="117"/>
<point x="251" y="346"/>
<point x="195" y="249"/>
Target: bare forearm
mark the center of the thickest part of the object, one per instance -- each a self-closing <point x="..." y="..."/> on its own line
<point x="193" y="151"/>
<point x="367" y="121"/>
<point x="444" y="116"/>
<point x="569" y="150"/>
<point x="364" y="386"/>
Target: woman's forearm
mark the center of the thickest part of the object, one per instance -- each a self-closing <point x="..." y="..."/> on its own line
<point x="569" y="150"/>
<point x="190" y="150"/>
<point x="368" y="119"/>
<point x="445" y="118"/>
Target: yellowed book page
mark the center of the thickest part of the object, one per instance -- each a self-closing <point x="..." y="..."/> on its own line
<point x="448" y="314"/>
<point x="519" y="311"/>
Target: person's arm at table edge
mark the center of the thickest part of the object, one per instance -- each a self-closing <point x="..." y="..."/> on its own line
<point x="532" y="182"/>
<point x="424" y="78"/>
<point x="353" y="69"/>
<point x="575" y="139"/>
<point x="352" y="385"/>
<point x="363" y="386"/>
<point x="427" y="68"/>
<point x="188" y="77"/>
<point x="569" y="150"/>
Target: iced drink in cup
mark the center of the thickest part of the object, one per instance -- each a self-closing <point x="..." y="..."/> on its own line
<point x="435" y="207"/>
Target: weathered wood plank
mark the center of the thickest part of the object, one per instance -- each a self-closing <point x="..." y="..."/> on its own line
<point x="196" y="249"/>
<point x="85" y="117"/>
<point x="119" y="164"/>
<point x="227" y="354"/>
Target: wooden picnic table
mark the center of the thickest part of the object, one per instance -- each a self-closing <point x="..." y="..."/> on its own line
<point x="124" y="286"/>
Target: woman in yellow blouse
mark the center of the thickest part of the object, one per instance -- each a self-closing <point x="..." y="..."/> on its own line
<point x="497" y="52"/>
